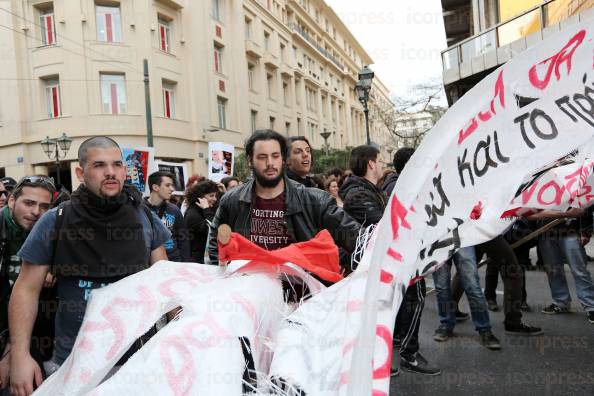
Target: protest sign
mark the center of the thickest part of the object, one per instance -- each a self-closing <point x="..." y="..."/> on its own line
<point x="140" y="163"/>
<point x="179" y="172"/>
<point x="221" y="160"/>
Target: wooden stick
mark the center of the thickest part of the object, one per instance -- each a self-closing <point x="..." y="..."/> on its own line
<point x="536" y="233"/>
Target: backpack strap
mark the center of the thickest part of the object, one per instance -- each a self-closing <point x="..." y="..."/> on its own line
<point x="60" y="215"/>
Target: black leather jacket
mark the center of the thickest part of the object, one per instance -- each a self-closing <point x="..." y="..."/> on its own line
<point x="364" y="201"/>
<point x="308" y="211"/>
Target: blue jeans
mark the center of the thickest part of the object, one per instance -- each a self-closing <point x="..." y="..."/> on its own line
<point x="556" y="252"/>
<point x="465" y="262"/>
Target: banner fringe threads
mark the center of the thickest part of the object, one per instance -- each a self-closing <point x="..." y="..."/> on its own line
<point x="363" y="239"/>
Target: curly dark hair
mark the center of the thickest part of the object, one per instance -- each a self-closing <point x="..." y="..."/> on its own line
<point x="199" y="190"/>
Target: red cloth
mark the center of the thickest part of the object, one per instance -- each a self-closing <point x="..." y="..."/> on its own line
<point x="318" y="255"/>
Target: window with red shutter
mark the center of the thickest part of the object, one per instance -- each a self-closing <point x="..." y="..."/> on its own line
<point x="164" y="36"/>
<point x="169" y="100"/>
<point x="113" y="93"/>
<point x="109" y="24"/>
<point x="218" y="59"/>
<point x="52" y="92"/>
<point x="48" y="28"/>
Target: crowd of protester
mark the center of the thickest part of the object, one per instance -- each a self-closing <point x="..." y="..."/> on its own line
<point x="49" y="262"/>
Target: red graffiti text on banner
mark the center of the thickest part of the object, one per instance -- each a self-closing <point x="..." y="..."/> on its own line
<point x="580" y="175"/>
<point x="384" y="370"/>
<point x="180" y="382"/>
<point x="398" y="213"/>
<point x="398" y="217"/>
<point x="487" y="115"/>
<point x="558" y="193"/>
<point x="555" y="62"/>
<point x="113" y="321"/>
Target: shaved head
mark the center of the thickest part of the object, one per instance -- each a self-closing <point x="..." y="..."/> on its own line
<point x="102" y="142"/>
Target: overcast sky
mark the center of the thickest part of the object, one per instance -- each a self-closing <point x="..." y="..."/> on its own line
<point x="403" y="37"/>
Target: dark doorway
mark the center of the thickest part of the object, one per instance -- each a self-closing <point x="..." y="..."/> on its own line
<point x="65" y="176"/>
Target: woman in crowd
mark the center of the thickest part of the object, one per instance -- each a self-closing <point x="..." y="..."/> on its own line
<point x="336" y="174"/>
<point x="192" y="180"/>
<point x="332" y="189"/>
<point x="201" y="199"/>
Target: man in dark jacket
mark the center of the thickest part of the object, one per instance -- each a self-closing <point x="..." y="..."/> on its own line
<point x="300" y="160"/>
<point x="366" y="202"/>
<point x="28" y="202"/>
<point x="362" y="198"/>
<point x="273" y="211"/>
<point x="161" y="185"/>
<point x="401" y="157"/>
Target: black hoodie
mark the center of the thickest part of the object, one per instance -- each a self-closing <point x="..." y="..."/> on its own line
<point x="390" y="183"/>
<point x="363" y="200"/>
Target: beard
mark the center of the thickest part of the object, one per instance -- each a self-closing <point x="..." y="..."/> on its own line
<point x="268" y="183"/>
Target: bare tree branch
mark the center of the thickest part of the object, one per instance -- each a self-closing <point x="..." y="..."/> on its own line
<point x="424" y="100"/>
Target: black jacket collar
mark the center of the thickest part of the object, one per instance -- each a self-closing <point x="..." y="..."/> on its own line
<point x="307" y="181"/>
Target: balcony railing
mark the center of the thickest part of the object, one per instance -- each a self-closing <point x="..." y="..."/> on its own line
<point x="532" y="20"/>
<point x="313" y="42"/>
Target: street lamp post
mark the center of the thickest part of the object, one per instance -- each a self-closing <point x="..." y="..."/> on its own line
<point x="56" y="149"/>
<point x="363" y="87"/>
<point x="325" y="135"/>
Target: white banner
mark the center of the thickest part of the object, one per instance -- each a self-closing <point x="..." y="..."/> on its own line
<point x="537" y="108"/>
<point x="567" y="183"/>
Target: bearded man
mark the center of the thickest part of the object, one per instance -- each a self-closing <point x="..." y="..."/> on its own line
<point x="273" y="211"/>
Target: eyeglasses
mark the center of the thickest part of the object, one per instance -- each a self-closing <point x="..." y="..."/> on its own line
<point x="4" y="193"/>
<point x="36" y="181"/>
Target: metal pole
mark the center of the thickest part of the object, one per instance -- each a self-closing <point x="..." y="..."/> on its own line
<point x="366" y="111"/>
<point x="147" y="102"/>
<point x="58" y="165"/>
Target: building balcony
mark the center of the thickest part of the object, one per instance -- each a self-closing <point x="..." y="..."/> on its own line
<point x="313" y="43"/>
<point x="46" y="56"/>
<point x="253" y="49"/>
<point x="498" y="44"/>
<point x="271" y="60"/>
<point x="300" y="70"/>
<point x="286" y="70"/>
<point x="175" y="4"/>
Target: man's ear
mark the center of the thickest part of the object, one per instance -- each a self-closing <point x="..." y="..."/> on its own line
<point x="79" y="173"/>
<point x="11" y="202"/>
